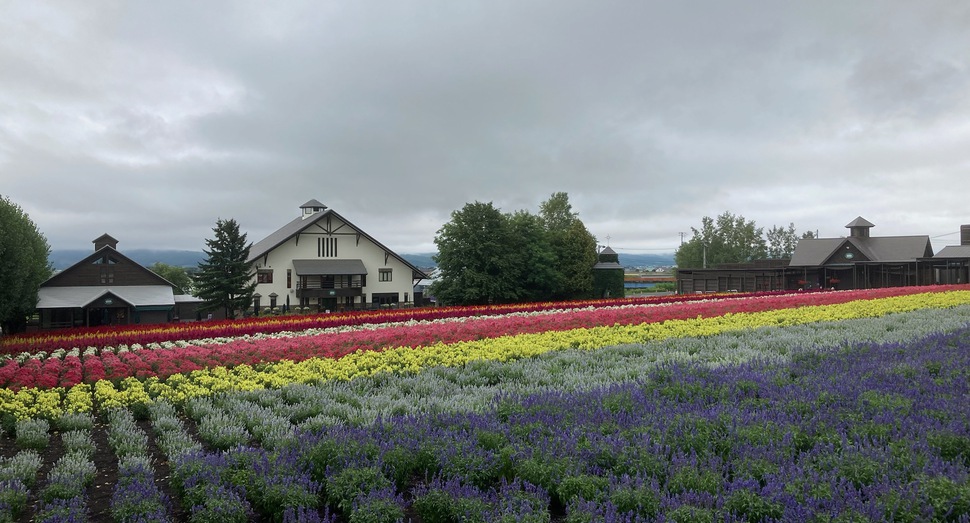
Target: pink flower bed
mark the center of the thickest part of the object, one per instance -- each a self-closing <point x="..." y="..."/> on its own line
<point x="144" y="363"/>
<point x="145" y="334"/>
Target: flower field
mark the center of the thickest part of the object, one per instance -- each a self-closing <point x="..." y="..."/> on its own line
<point x="848" y="406"/>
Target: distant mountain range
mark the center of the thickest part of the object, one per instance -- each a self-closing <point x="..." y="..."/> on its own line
<point x="64" y="258"/>
<point x="627" y="260"/>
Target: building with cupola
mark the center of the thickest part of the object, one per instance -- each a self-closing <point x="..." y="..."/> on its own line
<point x="857" y="261"/>
<point x="108" y="288"/>
<point x="320" y="261"/>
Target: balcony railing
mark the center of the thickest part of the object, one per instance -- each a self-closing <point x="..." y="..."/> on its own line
<point x="328" y="285"/>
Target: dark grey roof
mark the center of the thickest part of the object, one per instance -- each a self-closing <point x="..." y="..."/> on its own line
<point x="607" y="250"/>
<point x="954" y="251"/>
<point x="313" y="204"/>
<point x="105" y="238"/>
<point x="335" y="267"/>
<point x="896" y="248"/>
<point x="607" y="265"/>
<point x="814" y="252"/>
<point x="282" y="234"/>
<point x="82" y="296"/>
<point x="859" y="222"/>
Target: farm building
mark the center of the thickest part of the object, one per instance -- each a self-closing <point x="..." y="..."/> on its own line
<point x="323" y="262"/>
<point x="857" y="261"/>
<point x="108" y="288"/>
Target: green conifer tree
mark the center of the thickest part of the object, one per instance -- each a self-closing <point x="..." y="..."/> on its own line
<point x="225" y="279"/>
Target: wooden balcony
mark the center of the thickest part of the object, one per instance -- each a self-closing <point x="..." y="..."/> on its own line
<point x="314" y="288"/>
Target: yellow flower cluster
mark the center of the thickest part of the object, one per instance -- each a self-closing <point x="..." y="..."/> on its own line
<point x="180" y="387"/>
<point x="32" y="403"/>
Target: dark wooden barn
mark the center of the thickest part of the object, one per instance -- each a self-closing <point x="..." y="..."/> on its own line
<point x="105" y="288"/>
<point x="858" y="261"/>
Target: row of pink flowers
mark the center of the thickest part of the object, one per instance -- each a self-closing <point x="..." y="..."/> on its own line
<point x="70" y="370"/>
<point x="146" y="334"/>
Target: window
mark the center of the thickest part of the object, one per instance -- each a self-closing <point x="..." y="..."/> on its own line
<point x="327" y="247"/>
<point x="384" y="275"/>
<point x="107" y="275"/>
<point x="385" y="299"/>
<point x="289" y="278"/>
<point x="264" y="276"/>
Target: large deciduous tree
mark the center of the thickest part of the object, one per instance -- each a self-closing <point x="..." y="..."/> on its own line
<point x="486" y="256"/>
<point x="781" y="241"/>
<point x="573" y="248"/>
<point x="475" y="257"/>
<point x="225" y="278"/>
<point x="178" y="276"/>
<point x="24" y="265"/>
<point x="534" y="262"/>
<point x="727" y="239"/>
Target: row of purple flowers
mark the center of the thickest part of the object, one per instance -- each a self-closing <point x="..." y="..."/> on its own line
<point x="864" y="433"/>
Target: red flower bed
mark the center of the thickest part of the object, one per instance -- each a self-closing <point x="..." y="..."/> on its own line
<point x="145" y="334"/>
<point x="166" y="362"/>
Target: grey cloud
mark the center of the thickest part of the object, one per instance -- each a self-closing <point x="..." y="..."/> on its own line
<point x="650" y="115"/>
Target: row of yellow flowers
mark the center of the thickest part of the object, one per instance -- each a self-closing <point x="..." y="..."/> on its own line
<point x="29" y="403"/>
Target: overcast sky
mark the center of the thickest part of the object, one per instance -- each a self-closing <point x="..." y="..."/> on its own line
<point x="151" y="120"/>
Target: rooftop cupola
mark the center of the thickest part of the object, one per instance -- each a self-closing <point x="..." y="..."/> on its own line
<point x="859" y="228"/>
<point x="312" y="207"/>
<point x="104" y="241"/>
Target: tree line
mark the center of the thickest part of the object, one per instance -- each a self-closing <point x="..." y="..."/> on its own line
<point x="734" y="239"/>
<point x="484" y="256"/>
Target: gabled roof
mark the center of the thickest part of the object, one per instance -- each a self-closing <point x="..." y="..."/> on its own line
<point x="817" y="251"/>
<point x="100" y="253"/>
<point x="954" y="251"/>
<point x="105" y="238"/>
<point x="814" y="251"/>
<point x="82" y="296"/>
<point x="299" y="224"/>
<point x="895" y="248"/>
<point x="313" y="204"/>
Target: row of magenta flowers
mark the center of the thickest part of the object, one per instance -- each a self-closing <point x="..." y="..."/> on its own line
<point x="71" y="368"/>
<point x="276" y="363"/>
<point x="146" y="334"/>
<point x="878" y="432"/>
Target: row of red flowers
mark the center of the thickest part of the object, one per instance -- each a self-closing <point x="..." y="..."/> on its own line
<point x="70" y="370"/>
<point x="145" y="334"/>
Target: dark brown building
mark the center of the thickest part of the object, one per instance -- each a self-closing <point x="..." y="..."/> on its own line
<point x="105" y="288"/>
<point x="858" y="261"/>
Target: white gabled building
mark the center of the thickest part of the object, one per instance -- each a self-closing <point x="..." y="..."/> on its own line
<point x="322" y="261"/>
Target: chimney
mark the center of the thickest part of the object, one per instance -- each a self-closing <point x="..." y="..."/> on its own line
<point x="965" y="235"/>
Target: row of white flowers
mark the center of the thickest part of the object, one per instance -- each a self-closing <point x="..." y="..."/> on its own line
<point x="222" y="340"/>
